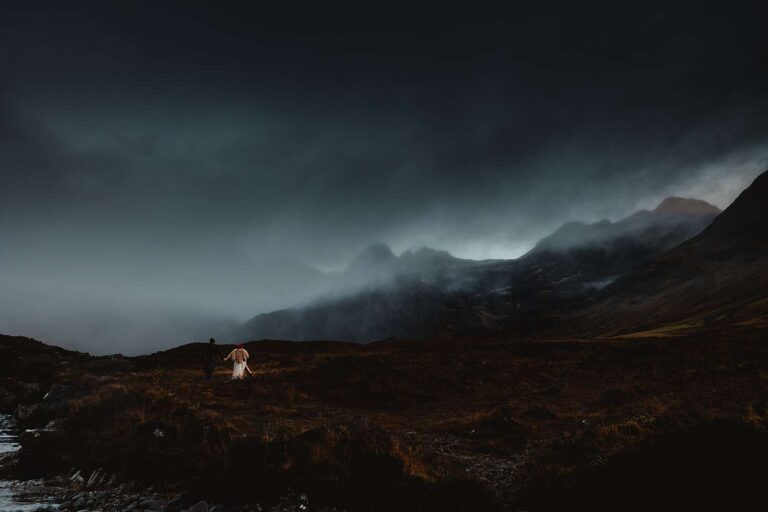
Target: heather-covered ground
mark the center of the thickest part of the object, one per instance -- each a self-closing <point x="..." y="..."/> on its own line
<point x="640" y="424"/>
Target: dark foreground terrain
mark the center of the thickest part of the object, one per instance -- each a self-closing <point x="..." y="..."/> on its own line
<point x="642" y="424"/>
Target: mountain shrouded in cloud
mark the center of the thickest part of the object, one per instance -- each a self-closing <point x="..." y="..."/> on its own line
<point x="430" y="293"/>
<point x="168" y="170"/>
<point x="717" y="280"/>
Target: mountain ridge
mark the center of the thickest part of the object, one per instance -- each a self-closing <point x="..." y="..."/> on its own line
<point x="714" y="280"/>
<point x="424" y="292"/>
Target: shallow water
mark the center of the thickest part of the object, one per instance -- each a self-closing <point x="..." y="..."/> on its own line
<point x="10" y="501"/>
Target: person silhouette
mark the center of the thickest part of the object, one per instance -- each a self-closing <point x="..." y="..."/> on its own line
<point x="210" y="356"/>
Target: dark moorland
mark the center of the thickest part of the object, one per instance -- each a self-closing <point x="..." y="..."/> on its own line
<point x="645" y="424"/>
<point x="485" y="257"/>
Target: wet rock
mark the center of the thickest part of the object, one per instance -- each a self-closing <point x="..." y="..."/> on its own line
<point x="93" y="480"/>
<point x="200" y="506"/>
<point x="177" y="503"/>
<point x="37" y="415"/>
<point x="77" y="478"/>
<point x="65" y="505"/>
<point x="79" y="502"/>
<point x="152" y="505"/>
<point x="44" y="408"/>
<point x="56" y="424"/>
<point x="13" y="393"/>
<point x="27" y="413"/>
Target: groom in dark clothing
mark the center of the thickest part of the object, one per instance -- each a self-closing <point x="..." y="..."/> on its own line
<point x="210" y="357"/>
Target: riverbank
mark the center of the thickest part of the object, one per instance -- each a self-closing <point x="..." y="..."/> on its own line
<point x="491" y="424"/>
<point x="16" y="495"/>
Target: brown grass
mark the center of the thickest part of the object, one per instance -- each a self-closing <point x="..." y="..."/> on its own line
<point x="394" y="422"/>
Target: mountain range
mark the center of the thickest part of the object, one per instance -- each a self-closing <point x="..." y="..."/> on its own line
<point x="565" y="285"/>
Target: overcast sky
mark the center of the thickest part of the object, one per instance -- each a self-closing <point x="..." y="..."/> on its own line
<point x="184" y="160"/>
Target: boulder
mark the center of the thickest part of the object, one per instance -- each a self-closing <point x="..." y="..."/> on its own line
<point x="53" y="405"/>
<point x="34" y="415"/>
<point x="14" y="392"/>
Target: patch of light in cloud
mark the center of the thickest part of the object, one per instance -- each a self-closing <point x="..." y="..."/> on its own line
<point x="488" y="250"/>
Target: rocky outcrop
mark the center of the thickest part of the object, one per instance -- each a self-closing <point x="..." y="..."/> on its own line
<point x="39" y="414"/>
<point x="15" y="392"/>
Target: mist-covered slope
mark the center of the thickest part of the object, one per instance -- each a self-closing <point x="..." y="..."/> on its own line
<point x="402" y="309"/>
<point x="675" y="219"/>
<point x="428" y="292"/>
<point x="718" y="279"/>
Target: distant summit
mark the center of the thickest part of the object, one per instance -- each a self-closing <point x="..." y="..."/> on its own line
<point x="379" y="260"/>
<point x="426" y="260"/>
<point x="685" y="206"/>
<point x="675" y="220"/>
<point x="375" y="258"/>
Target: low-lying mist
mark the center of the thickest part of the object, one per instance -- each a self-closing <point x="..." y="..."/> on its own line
<point x="105" y="292"/>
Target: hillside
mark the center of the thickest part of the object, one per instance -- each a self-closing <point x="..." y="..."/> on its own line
<point x="431" y="293"/>
<point x="716" y="280"/>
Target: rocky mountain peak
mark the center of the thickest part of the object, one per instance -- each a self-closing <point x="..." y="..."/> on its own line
<point x="375" y="256"/>
<point x="686" y="206"/>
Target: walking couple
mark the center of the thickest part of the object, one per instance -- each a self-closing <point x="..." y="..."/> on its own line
<point x="239" y="356"/>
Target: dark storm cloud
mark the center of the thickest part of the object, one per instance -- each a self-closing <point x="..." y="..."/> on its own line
<point x="188" y="158"/>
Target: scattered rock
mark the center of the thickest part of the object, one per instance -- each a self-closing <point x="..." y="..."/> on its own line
<point x="178" y="502"/>
<point x="153" y="505"/>
<point x="200" y="506"/>
<point x="94" y="478"/>
<point x="55" y="424"/>
<point x="77" y="478"/>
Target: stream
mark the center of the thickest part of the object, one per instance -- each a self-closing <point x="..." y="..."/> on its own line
<point x="17" y="496"/>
